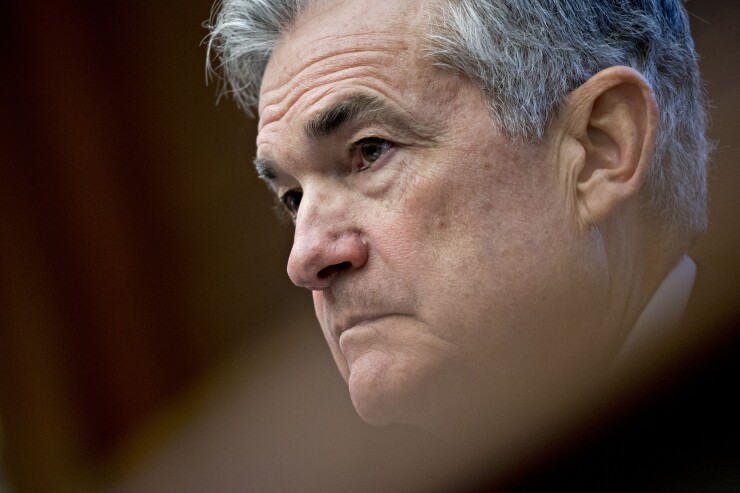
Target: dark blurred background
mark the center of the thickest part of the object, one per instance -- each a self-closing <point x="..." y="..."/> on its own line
<point x="146" y="317"/>
<point x="137" y="249"/>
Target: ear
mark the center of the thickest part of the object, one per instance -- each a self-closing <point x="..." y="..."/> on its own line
<point x="607" y="135"/>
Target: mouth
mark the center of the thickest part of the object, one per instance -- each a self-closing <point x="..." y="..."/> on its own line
<point x="359" y="321"/>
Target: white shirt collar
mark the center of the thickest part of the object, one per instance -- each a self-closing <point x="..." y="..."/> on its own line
<point x="664" y="311"/>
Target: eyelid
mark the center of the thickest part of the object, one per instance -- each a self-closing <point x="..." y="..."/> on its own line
<point x="363" y="140"/>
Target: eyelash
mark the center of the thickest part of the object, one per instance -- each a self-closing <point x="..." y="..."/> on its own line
<point x="291" y="199"/>
<point x="285" y="200"/>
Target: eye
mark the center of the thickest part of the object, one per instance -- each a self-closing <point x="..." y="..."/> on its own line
<point x="291" y="201"/>
<point x="369" y="150"/>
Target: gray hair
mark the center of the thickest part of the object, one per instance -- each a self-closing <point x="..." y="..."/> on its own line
<point x="527" y="56"/>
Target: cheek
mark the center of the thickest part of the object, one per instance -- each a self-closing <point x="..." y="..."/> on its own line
<point x="489" y="232"/>
<point x="453" y="217"/>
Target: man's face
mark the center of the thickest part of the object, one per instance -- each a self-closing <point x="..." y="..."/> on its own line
<point x="444" y="266"/>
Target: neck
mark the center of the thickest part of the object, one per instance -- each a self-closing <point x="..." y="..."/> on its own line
<point x="638" y="262"/>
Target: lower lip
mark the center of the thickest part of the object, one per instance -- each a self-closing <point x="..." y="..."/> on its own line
<point x="363" y="324"/>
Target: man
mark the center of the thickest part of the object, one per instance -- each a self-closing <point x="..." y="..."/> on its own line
<point x="491" y="200"/>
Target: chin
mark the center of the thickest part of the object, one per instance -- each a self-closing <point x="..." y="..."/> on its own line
<point x="387" y="388"/>
<point x="371" y="407"/>
<point x="374" y="389"/>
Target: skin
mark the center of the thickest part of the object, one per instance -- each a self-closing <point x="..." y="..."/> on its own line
<point x="460" y="276"/>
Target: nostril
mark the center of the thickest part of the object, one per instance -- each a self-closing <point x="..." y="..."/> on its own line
<point x="327" y="271"/>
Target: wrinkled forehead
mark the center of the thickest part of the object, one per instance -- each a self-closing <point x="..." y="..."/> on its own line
<point x="327" y="28"/>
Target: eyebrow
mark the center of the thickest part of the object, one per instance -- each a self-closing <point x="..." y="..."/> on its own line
<point x="357" y="108"/>
<point x="265" y="169"/>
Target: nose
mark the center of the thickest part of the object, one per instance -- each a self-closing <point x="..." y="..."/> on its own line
<point x="323" y="248"/>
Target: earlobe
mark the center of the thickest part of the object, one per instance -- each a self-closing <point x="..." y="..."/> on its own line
<point x="606" y="145"/>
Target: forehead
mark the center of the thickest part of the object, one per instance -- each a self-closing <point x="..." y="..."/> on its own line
<point x="328" y="40"/>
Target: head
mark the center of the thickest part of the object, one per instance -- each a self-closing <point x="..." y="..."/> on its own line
<point x="485" y="194"/>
